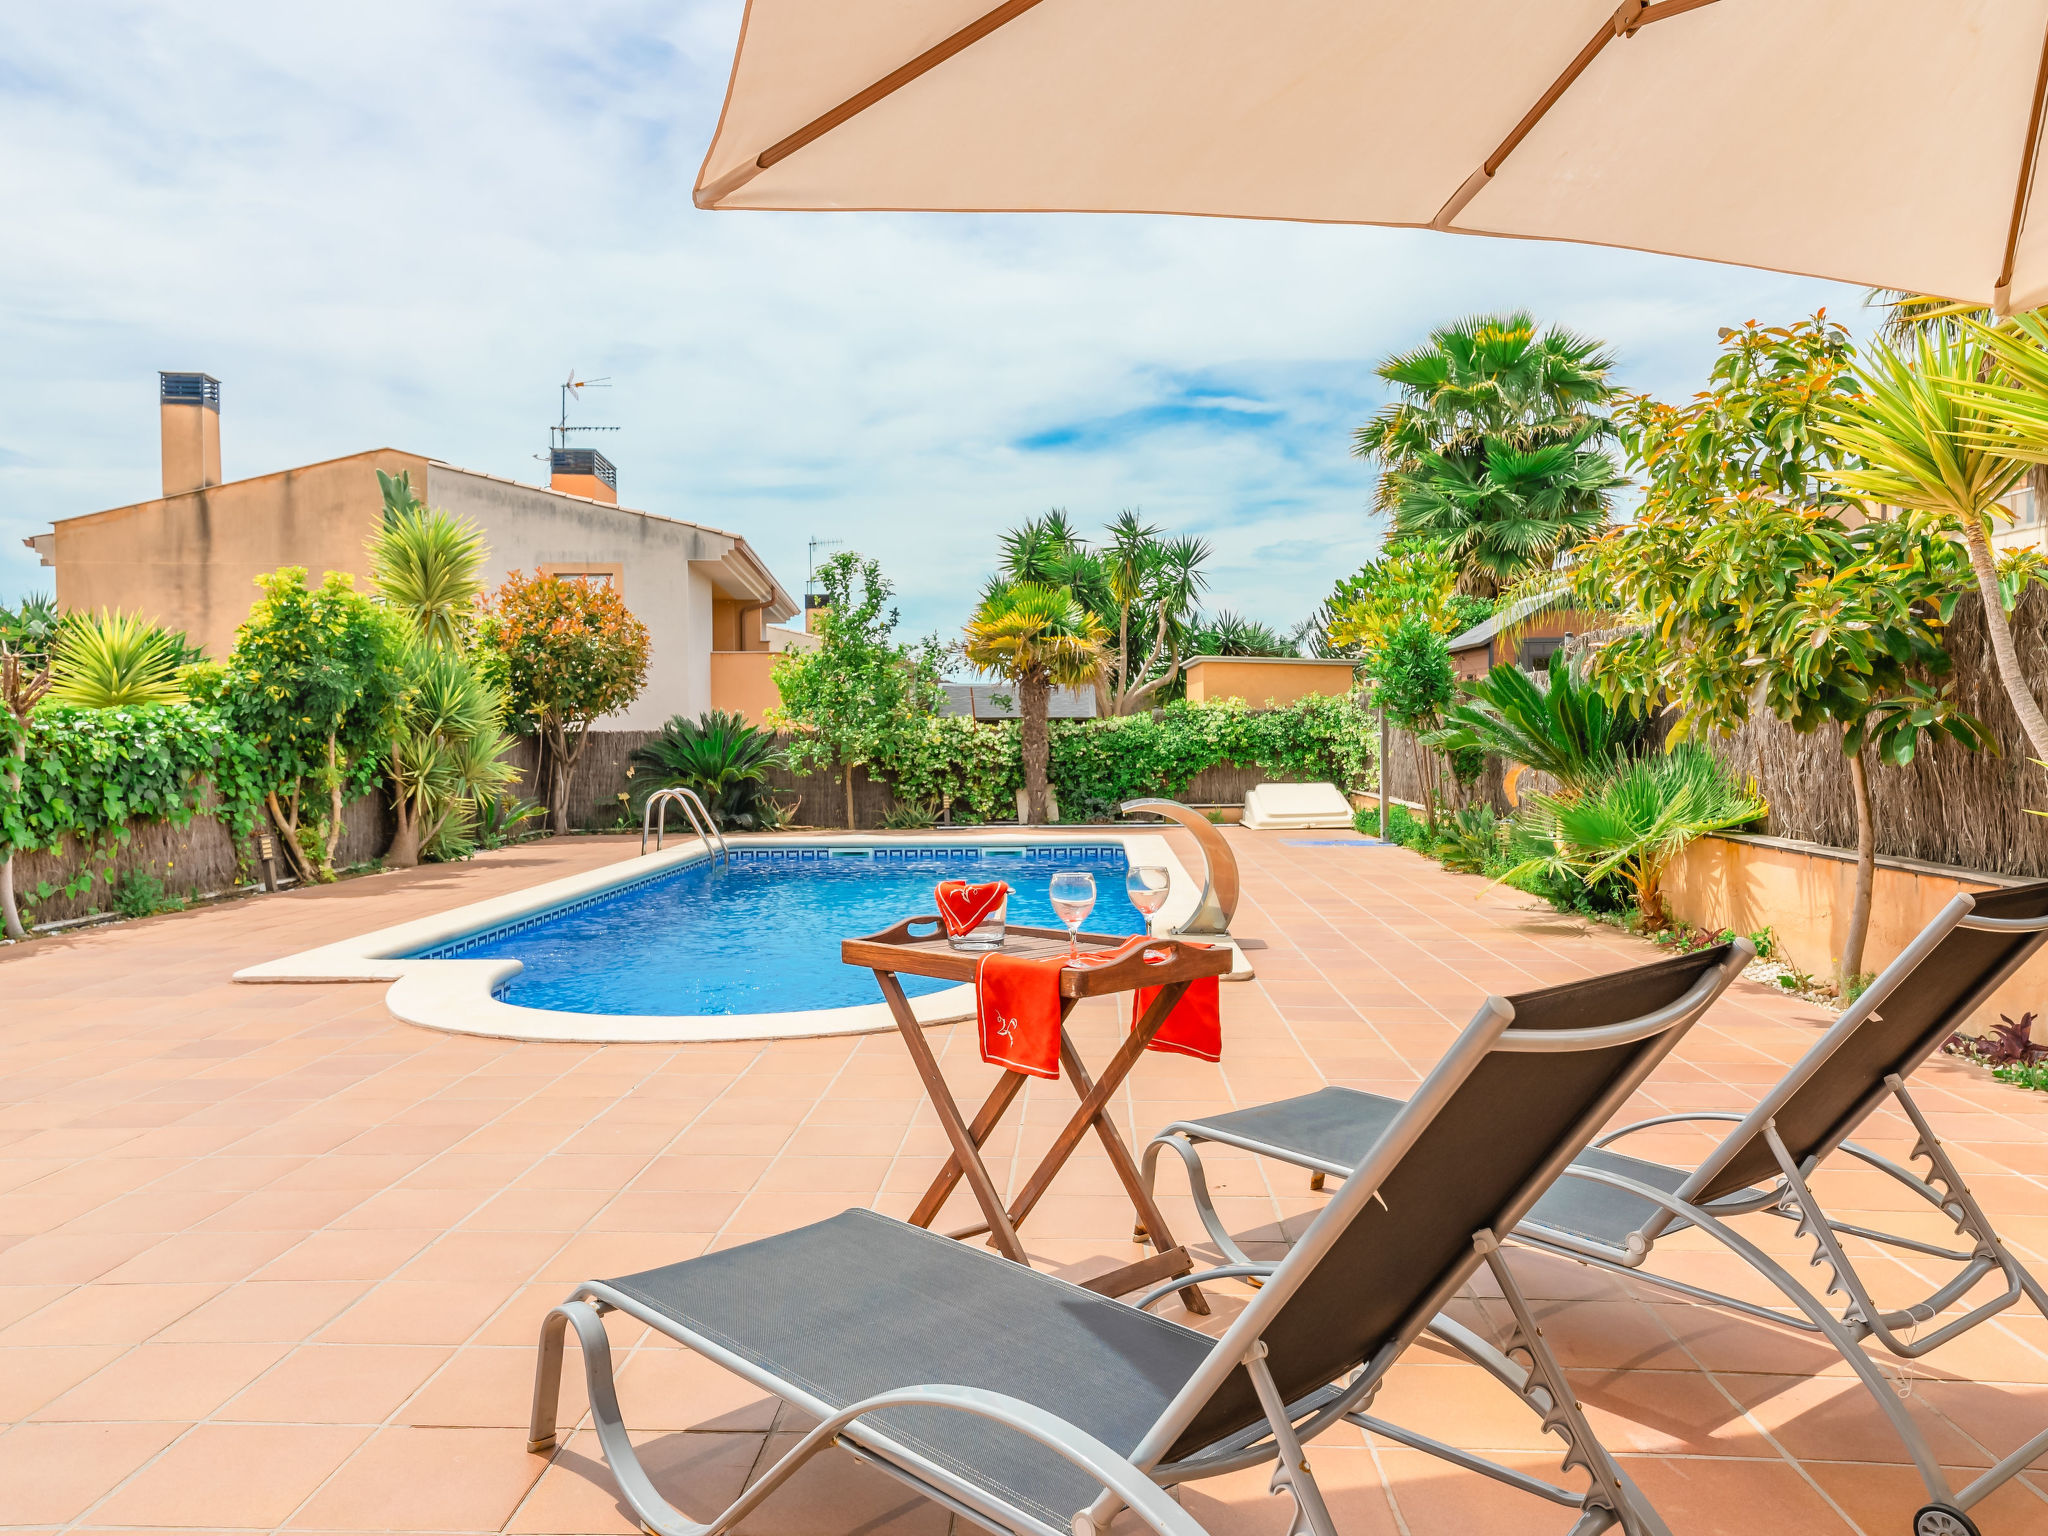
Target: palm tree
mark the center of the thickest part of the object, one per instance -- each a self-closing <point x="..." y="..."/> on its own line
<point x="1507" y="511"/>
<point x="1141" y="588"/>
<point x="1934" y="438"/>
<point x="1494" y="441"/>
<point x="1037" y="636"/>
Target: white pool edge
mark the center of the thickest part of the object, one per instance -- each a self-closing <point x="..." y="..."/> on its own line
<point x="458" y="995"/>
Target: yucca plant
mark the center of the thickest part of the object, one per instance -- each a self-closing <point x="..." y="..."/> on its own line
<point x="114" y="661"/>
<point x="1635" y="823"/>
<point x="427" y="565"/>
<point x="448" y="752"/>
<point x="719" y="755"/>
<point x="1565" y="729"/>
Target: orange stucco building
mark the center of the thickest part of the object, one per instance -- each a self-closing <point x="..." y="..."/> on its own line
<point x="188" y="559"/>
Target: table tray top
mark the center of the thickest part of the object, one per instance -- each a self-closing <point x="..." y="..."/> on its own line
<point x="917" y="947"/>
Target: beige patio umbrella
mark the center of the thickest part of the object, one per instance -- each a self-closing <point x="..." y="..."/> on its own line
<point x="1886" y="142"/>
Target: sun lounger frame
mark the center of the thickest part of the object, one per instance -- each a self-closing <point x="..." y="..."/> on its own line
<point x="1790" y="1197"/>
<point x="1140" y="1481"/>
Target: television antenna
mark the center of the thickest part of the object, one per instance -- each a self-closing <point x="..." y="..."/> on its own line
<point x="811" y="575"/>
<point x="572" y="389"/>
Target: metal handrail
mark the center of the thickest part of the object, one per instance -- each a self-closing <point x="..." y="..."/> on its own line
<point x="699" y="814"/>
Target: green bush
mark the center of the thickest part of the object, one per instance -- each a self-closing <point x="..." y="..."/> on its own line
<point x="141" y="894"/>
<point x="88" y="772"/>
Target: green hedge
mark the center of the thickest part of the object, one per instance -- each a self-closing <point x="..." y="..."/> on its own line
<point x="978" y="768"/>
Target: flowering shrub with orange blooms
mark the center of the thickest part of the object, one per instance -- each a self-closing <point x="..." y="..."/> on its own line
<point x="568" y="654"/>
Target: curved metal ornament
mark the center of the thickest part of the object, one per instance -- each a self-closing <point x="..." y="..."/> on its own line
<point x="1218" y="903"/>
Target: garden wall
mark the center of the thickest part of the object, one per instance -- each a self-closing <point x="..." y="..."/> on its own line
<point x="1801" y="891"/>
<point x="197" y="857"/>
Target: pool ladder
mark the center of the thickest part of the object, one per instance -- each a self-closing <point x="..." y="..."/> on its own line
<point x="699" y="814"/>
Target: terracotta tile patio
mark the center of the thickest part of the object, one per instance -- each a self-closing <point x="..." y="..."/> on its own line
<point x="270" y="1260"/>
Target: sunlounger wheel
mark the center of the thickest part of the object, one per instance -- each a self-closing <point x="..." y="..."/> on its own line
<point x="1940" y="1520"/>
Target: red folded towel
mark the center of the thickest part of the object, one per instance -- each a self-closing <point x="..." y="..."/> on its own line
<point x="1194" y="1028"/>
<point x="964" y="907"/>
<point x="1017" y="1006"/>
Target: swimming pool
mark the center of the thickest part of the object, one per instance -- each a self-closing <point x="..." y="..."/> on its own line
<point x="760" y="933"/>
<point x="660" y="947"/>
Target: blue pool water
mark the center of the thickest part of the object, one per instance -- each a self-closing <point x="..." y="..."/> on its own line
<point x="761" y="934"/>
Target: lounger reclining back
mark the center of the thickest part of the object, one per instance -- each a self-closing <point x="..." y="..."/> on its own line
<point x="1922" y="998"/>
<point x="1467" y="1157"/>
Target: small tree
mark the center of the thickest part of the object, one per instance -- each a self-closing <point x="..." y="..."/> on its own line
<point x="1412" y="680"/>
<point x="850" y="701"/>
<point x="312" y="686"/>
<point x="570" y="654"/>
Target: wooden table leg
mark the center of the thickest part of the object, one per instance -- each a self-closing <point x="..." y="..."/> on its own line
<point x="1094" y="1112"/>
<point x="993" y="1108"/>
<point x="965" y="1149"/>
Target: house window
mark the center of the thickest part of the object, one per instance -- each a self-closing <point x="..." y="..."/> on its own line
<point x="1535" y="652"/>
<point x="613" y="576"/>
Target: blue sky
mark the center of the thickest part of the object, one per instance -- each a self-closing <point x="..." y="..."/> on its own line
<point x="403" y="225"/>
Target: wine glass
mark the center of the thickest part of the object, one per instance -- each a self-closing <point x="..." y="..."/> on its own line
<point x="1147" y="886"/>
<point x="1073" y="898"/>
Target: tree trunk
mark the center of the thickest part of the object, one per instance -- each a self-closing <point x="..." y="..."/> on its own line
<point x="1034" y="697"/>
<point x="288" y="841"/>
<point x="331" y="843"/>
<point x="1999" y="628"/>
<point x="10" y="913"/>
<point x="850" y="826"/>
<point x="561" y="767"/>
<point x="404" y="852"/>
<point x="1866" y="874"/>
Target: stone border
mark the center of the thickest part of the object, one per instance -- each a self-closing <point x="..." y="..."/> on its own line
<point x="458" y="995"/>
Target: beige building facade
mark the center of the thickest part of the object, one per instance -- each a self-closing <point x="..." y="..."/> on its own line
<point x="189" y="559"/>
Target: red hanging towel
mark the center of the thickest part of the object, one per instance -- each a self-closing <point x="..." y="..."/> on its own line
<point x="1017" y="1004"/>
<point x="962" y="907"/>
<point x="1195" y="1027"/>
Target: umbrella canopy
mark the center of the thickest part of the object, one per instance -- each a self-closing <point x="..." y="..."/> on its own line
<point x="1886" y="142"/>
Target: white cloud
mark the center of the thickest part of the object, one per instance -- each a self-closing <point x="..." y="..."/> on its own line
<point x="387" y="224"/>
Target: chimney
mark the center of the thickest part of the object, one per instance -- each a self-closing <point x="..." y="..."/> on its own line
<point x="583" y="472"/>
<point x="190" y="408"/>
<point x="815" y="608"/>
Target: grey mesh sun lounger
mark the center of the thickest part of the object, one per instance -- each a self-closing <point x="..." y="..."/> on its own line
<point x="1027" y="1404"/>
<point x="1610" y="1209"/>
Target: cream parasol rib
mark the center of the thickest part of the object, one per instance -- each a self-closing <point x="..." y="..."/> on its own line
<point x="1889" y="142"/>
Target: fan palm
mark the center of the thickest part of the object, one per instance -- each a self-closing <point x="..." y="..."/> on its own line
<point x="1933" y="438"/>
<point x="1036" y="636"/>
<point x="112" y="661"/>
<point x="426" y="565"/>
<point x="1506" y="511"/>
<point x="719" y="755"/>
<point x="1494" y="442"/>
<point x="1636" y="822"/>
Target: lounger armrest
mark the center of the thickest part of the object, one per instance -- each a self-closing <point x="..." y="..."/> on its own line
<point x="1144" y="1497"/>
<point x="1644" y="1125"/>
<point x="1220" y="1272"/>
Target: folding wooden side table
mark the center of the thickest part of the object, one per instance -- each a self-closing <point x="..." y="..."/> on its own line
<point x="918" y="947"/>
